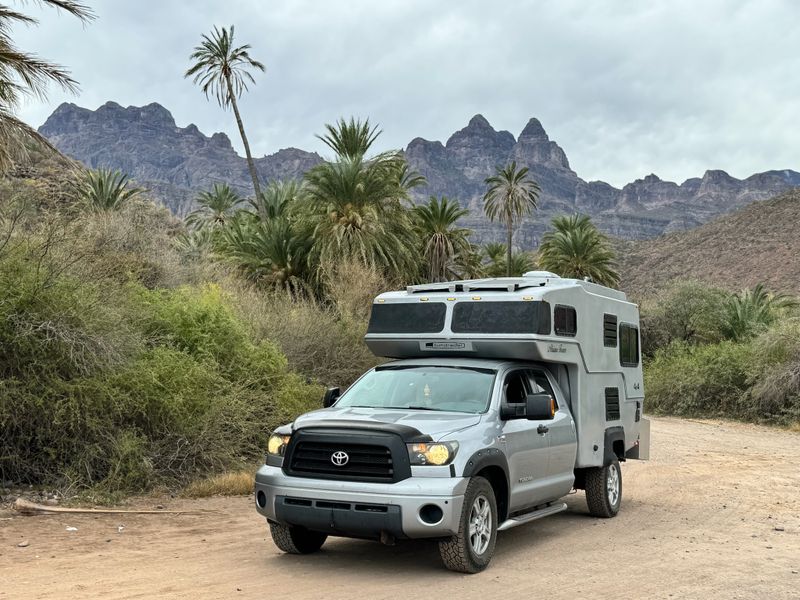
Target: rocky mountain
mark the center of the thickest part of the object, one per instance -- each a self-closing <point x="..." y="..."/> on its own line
<point x="756" y="244"/>
<point x="175" y="163"/>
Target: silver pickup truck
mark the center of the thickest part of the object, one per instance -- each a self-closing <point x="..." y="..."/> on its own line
<point x="462" y="437"/>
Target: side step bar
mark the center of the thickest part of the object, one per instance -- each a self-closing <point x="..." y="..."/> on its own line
<point x="532" y="516"/>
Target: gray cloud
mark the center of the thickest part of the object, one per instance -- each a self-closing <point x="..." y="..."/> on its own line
<point x="627" y="88"/>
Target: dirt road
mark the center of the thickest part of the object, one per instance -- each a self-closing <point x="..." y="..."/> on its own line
<point x="714" y="514"/>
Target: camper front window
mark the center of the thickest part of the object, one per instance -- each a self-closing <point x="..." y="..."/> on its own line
<point x="447" y="389"/>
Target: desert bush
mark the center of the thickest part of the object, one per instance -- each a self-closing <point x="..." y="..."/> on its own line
<point x="316" y="340"/>
<point x="690" y="312"/>
<point x="775" y="373"/>
<point x="706" y="380"/>
<point x="120" y="382"/>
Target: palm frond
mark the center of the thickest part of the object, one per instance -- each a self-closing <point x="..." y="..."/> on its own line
<point x="221" y="70"/>
<point x="106" y="190"/>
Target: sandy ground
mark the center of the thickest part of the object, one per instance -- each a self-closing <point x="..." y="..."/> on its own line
<point x="714" y="514"/>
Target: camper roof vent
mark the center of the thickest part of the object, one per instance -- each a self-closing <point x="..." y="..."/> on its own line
<point x="541" y="275"/>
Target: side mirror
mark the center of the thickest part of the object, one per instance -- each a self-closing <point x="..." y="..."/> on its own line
<point x="512" y="411"/>
<point x="331" y="395"/>
<point x="540" y="407"/>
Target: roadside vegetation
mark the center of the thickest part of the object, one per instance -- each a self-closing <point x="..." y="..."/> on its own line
<point x="711" y="353"/>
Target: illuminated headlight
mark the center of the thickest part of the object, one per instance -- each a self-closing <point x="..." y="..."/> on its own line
<point x="277" y="444"/>
<point x="441" y="453"/>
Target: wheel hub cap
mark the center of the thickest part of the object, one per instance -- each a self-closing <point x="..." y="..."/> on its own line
<point x="612" y="485"/>
<point x="480" y="525"/>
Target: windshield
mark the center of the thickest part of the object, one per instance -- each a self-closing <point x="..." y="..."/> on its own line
<point x="455" y="389"/>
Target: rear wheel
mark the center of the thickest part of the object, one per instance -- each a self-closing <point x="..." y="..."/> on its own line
<point x="471" y="549"/>
<point x="604" y="490"/>
<point x="296" y="540"/>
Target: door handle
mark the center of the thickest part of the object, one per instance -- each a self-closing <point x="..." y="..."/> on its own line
<point x="542" y="429"/>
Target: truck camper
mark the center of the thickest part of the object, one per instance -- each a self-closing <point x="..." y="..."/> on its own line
<point x="503" y="395"/>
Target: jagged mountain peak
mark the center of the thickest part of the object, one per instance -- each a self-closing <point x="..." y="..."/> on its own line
<point x="534" y="131"/>
<point x="479" y="122"/>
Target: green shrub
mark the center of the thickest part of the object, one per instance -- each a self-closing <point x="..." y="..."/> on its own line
<point x="689" y="311"/>
<point x="775" y="373"/>
<point x="107" y="384"/>
<point x="710" y="380"/>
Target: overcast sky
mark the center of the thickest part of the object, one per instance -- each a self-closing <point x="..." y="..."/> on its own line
<point x="626" y="87"/>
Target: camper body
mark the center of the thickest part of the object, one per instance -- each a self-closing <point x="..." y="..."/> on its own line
<point x="506" y="394"/>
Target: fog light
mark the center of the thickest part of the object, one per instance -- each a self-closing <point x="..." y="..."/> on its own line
<point x="431" y="514"/>
<point x="261" y="499"/>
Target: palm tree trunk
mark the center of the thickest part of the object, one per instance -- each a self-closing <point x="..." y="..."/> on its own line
<point x="508" y="245"/>
<point x="250" y="164"/>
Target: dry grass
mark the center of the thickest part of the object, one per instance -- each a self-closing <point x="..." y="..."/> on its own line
<point x="234" y="483"/>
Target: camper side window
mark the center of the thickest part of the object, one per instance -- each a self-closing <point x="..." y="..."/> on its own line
<point x="628" y="345"/>
<point x="565" y="320"/>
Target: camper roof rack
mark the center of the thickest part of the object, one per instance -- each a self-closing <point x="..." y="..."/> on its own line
<point x="494" y="284"/>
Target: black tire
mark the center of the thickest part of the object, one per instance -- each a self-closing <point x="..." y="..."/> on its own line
<point x="604" y="490"/>
<point x="459" y="553"/>
<point x="296" y="540"/>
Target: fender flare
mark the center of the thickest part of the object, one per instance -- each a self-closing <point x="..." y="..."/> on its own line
<point x="487" y="457"/>
<point x="613" y="434"/>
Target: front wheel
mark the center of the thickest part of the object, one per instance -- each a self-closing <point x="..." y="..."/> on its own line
<point x="471" y="549"/>
<point x="296" y="540"/>
<point x="604" y="490"/>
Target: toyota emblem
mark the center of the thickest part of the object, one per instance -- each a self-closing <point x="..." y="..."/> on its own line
<point x="340" y="458"/>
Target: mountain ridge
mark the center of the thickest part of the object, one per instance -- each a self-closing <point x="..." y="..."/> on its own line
<point x="754" y="244"/>
<point x="177" y="162"/>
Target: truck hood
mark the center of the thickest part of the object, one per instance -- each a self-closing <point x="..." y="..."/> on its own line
<point x="434" y="423"/>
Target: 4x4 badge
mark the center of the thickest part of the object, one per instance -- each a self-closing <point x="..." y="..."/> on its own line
<point x="340" y="458"/>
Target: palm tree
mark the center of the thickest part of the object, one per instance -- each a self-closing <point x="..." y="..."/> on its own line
<point x="222" y="70"/>
<point x="272" y="252"/>
<point x="350" y="139"/>
<point x="354" y="204"/>
<point x="494" y="251"/>
<point x="497" y="264"/>
<point x="355" y="213"/>
<point x="194" y="245"/>
<point x="751" y="311"/>
<point x="576" y="248"/>
<point x="510" y="196"/>
<point x="442" y="241"/>
<point x="106" y="190"/>
<point x="279" y="198"/>
<point x="469" y="263"/>
<point x="23" y="74"/>
<point x="215" y="207"/>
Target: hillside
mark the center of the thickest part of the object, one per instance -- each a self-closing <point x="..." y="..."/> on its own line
<point x="177" y="162"/>
<point x="759" y="243"/>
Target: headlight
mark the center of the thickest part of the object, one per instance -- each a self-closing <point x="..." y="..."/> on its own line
<point x="441" y="453"/>
<point x="277" y="444"/>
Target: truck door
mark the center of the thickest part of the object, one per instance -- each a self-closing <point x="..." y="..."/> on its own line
<point x="526" y="449"/>
<point x="561" y="433"/>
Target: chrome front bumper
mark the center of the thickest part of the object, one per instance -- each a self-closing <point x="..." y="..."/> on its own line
<point x="356" y="509"/>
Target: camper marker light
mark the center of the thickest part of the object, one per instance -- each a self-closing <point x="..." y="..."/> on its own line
<point x="277" y="443"/>
<point x="441" y="453"/>
<point x="476" y="297"/>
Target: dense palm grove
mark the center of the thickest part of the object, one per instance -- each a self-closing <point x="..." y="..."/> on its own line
<point x="137" y="350"/>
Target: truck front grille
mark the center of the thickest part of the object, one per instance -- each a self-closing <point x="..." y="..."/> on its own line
<point x="363" y="461"/>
